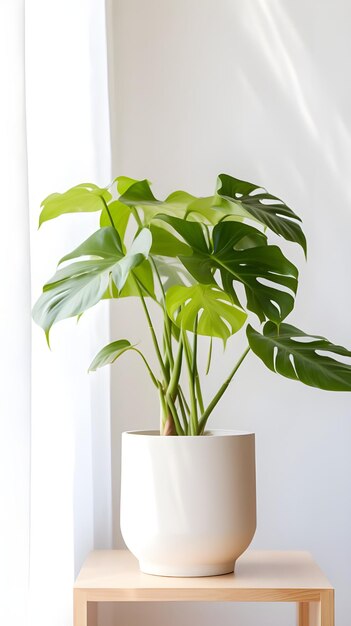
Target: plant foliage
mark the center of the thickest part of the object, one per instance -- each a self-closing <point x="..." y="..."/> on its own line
<point x="207" y="262"/>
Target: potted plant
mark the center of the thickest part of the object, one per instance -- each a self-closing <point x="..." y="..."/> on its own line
<point x="188" y="504"/>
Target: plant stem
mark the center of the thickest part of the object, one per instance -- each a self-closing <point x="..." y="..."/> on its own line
<point x="175" y="417"/>
<point x="153" y="334"/>
<point x="196" y="378"/>
<point x="167" y="322"/>
<point x="136" y="216"/>
<point x="199" y="392"/>
<point x="220" y="392"/>
<point x="183" y="398"/>
<point x="172" y="391"/>
<point x="170" y="420"/>
<point x="109" y="214"/>
<point x="167" y="342"/>
<point x="193" y="404"/>
<point x="165" y="403"/>
<point x="173" y="383"/>
<point x="209" y="357"/>
<point x="183" y="411"/>
<point x="166" y="425"/>
<point x="152" y="375"/>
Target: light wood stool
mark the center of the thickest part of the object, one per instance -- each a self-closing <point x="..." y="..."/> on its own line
<point x="260" y="576"/>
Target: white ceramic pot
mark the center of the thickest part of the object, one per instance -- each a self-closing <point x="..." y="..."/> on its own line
<point x="188" y="504"/>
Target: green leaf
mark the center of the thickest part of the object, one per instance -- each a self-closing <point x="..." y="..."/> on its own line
<point x="164" y="243"/>
<point x="263" y="206"/>
<point x="70" y="297"/>
<point x="138" y="251"/>
<point x="241" y="254"/>
<point x="143" y="274"/>
<point x="180" y="200"/>
<point x="208" y="210"/>
<point x="80" y="285"/>
<point x="290" y="352"/>
<point x="104" y="243"/>
<point x="139" y="193"/>
<point x="197" y="263"/>
<point x="191" y="232"/>
<point x="262" y="269"/>
<point x="123" y="183"/>
<point x="212" y="209"/>
<point x="81" y="198"/>
<point x="107" y="244"/>
<point x="203" y="209"/>
<point x="178" y="204"/>
<point x="110" y="353"/>
<point x="216" y="314"/>
<point x="172" y="272"/>
<point x="119" y="213"/>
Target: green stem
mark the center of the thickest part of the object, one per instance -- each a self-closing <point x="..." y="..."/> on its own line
<point x="196" y="378"/>
<point x="152" y="375"/>
<point x="164" y="411"/>
<point x="193" y="404"/>
<point x="173" y="390"/>
<point x="199" y="392"/>
<point x="169" y="403"/>
<point x="183" y="411"/>
<point x="109" y="214"/>
<point x="173" y="383"/>
<point x="167" y="321"/>
<point x="175" y="417"/>
<point x="182" y="396"/>
<point x="136" y="216"/>
<point x="153" y="334"/>
<point x="168" y="409"/>
<point x="167" y="342"/>
<point x="194" y="370"/>
<point x="220" y="392"/>
<point x="209" y="357"/>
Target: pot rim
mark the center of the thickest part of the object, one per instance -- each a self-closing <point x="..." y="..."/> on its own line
<point x="215" y="433"/>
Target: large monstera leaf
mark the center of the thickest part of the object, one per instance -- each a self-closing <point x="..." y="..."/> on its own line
<point x="211" y="307"/>
<point x="84" y="198"/>
<point x="262" y="206"/>
<point x="88" y="198"/>
<point x="262" y="269"/>
<point x="139" y="196"/>
<point x="241" y="255"/>
<point x="80" y="285"/>
<point x="290" y="352"/>
<point x="179" y="204"/>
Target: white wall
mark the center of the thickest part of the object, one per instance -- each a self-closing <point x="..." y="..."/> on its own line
<point x="258" y="89"/>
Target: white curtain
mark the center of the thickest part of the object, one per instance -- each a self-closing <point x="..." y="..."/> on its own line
<point x="14" y="323"/>
<point x="55" y="428"/>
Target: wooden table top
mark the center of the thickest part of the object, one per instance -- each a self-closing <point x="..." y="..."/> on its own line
<point x="259" y="576"/>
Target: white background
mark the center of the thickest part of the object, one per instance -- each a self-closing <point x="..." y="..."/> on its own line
<point x="259" y="89"/>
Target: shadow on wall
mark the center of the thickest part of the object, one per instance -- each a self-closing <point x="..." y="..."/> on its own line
<point x="294" y="75"/>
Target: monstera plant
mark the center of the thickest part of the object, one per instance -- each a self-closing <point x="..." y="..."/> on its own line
<point x="208" y="264"/>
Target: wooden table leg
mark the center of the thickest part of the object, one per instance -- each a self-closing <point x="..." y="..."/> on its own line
<point x="327" y="607"/>
<point x="308" y="614"/>
<point x="80" y="608"/>
<point x="317" y="613"/>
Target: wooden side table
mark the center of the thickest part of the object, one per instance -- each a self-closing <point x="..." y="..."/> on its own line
<point x="260" y="576"/>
